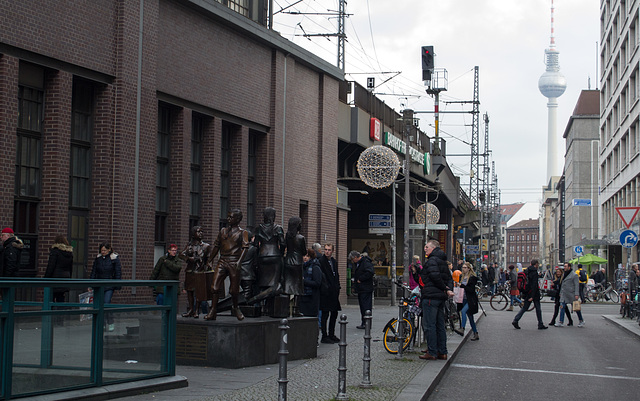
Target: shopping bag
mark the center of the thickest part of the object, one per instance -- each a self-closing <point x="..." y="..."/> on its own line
<point x="576" y="305"/>
<point x="458" y="295"/>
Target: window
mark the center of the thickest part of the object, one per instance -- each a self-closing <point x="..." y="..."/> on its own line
<point x="251" y="180"/>
<point x="162" y="174"/>
<point x="225" y="167"/>
<point x="82" y="116"/>
<point x="195" y="204"/>
<point x="28" y="183"/>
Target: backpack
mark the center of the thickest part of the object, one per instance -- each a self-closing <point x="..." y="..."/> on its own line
<point x="583" y="276"/>
<point x="523" y="280"/>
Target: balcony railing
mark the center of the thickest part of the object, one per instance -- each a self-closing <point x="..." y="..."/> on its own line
<point x="48" y="347"/>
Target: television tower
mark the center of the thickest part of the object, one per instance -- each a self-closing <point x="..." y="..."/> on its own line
<point x="552" y="85"/>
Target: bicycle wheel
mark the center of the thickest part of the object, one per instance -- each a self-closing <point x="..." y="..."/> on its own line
<point x="593" y="296"/>
<point x="613" y="295"/>
<point x="390" y="339"/>
<point x="499" y="302"/>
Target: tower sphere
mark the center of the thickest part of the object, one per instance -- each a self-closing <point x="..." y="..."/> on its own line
<point x="552" y="84"/>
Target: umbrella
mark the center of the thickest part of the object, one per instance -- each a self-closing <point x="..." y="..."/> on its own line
<point x="589" y="259"/>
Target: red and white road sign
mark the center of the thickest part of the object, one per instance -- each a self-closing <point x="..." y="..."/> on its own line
<point x="628" y="214"/>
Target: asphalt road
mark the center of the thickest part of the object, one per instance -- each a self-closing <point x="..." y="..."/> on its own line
<point x="597" y="362"/>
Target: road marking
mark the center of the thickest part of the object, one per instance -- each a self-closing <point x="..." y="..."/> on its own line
<point x="460" y="365"/>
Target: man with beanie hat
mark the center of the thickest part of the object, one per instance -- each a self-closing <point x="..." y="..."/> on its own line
<point x="9" y="253"/>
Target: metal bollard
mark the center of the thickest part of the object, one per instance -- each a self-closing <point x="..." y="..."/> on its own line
<point x="400" y="327"/>
<point x="366" y="359"/>
<point x="342" y="361"/>
<point x="282" y="360"/>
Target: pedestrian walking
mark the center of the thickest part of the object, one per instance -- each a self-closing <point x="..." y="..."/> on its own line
<point x="10" y="253"/>
<point x="569" y="294"/>
<point x="312" y="278"/>
<point x="60" y="265"/>
<point x="436" y="286"/>
<point x="513" y="286"/>
<point x="167" y="268"/>
<point x="329" y="297"/>
<point x="583" y="279"/>
<point x="363" y="282"/>
<point x="106" y="266"/>
<point x="416" y="266"/>
<point x="557" y="285"/>
<point x="468" y="282"/>
<point x="530" y="293"/>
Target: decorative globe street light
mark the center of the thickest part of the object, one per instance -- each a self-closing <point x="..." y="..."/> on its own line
<point x="378" y="166"/>
<point x="427" y="213"/>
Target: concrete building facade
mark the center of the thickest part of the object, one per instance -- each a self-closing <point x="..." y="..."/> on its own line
<point x="619" y="175"/>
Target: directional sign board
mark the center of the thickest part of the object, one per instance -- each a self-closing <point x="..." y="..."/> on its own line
<point x="416" y="226"/>
<point x="578" y="250"/>
<point x="582" y="202"/>
<point x="380" y="230"/>
<point x="473" y="249"/>
<point x="379" y="223"/>
<point x="628" y="238"/>
<point x="378" y="217"/>
<point x="628" y="214"/>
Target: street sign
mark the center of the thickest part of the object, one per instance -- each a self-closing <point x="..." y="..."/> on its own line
<point x="417" y="226"/>
<point x="380" y="230"/>
<point x="582" y="202"/>
<point x="628" y="238"/>
<point x="578" y="250"/>
<point x="379" y="223"/>
<point x="379" y="217"/>
<point x="473" y="249"/>
<point x="628" y="214"/>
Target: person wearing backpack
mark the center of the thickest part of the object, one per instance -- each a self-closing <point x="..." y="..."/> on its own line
<point x="528" y="286"/>
<point x="583" y="279"/>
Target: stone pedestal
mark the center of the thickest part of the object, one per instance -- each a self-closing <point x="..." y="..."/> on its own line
<point x="230" y="343"/>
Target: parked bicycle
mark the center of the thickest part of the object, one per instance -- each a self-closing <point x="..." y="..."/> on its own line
<point x="598" y="293"/>
<point x="410" y="311"/>
<point x="451" y="314"/>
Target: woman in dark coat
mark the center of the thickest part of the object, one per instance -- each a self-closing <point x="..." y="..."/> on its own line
<point x="106" y="266"/>
<point x="60" y="265"/>
<point x="468" y="282"/>
<point x="312" y="276"/>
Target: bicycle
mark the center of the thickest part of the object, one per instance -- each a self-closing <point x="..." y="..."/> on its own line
<point x="410" y="310"/>
<point x="451" y="314"/>
<point x="597" y="294"/>
<point x="482" y="291"/>
<point x="501" y="299"/>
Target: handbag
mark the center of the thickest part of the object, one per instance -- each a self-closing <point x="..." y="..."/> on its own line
<point x="576" y="305"/>
<point x="458" y="295"/>
<point x="552" y="293"/>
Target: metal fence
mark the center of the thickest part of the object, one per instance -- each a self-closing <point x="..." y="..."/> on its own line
<point x="48" y="347"/>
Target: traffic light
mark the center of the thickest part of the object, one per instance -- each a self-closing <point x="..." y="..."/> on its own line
<point x="427" y="62"/>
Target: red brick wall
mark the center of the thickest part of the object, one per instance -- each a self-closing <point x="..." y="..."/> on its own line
<point x="8" y="123"/>
<point x="56" y="143"/>
<point x="204" y="66"/>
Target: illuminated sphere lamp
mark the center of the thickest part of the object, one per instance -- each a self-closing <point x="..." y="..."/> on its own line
<point x="378" y="166"/>
<point x="427" y="212"/>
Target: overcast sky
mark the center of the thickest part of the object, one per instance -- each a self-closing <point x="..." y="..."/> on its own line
<point x="505" y="38"/>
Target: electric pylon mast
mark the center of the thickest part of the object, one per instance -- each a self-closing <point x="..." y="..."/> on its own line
<point x="475" y="130"/>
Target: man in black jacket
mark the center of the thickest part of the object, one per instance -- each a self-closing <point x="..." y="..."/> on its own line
<point x="531" y="294"/>
<point x="436" y="285"/>
<point x="363" y="273"/>
<point x="329" y="296"/>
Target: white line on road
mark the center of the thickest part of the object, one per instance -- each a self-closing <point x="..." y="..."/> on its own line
<point x="460" y="365"/>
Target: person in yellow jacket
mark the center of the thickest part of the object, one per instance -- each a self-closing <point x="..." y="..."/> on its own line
<point x="583" y="279"/>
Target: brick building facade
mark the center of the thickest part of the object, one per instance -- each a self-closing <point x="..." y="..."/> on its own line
<point x="523" y="241"/>
<point x="131" y="121"/>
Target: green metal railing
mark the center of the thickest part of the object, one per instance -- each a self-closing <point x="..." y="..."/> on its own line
<point x="48" y="347"/>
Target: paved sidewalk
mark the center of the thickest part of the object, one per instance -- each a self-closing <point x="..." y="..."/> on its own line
<point x="409" y="378"/>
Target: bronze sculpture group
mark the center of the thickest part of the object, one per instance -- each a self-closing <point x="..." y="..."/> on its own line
<point x="269" y="264"/>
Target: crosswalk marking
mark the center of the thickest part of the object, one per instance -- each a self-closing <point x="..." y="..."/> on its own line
<point x="460" y="365"/>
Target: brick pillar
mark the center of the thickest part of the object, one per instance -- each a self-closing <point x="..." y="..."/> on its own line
<point x="9" y="68"/>
<point x="239" y="164"/>
<point x="56" y="142"/>
<point x="180" y="179"/>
